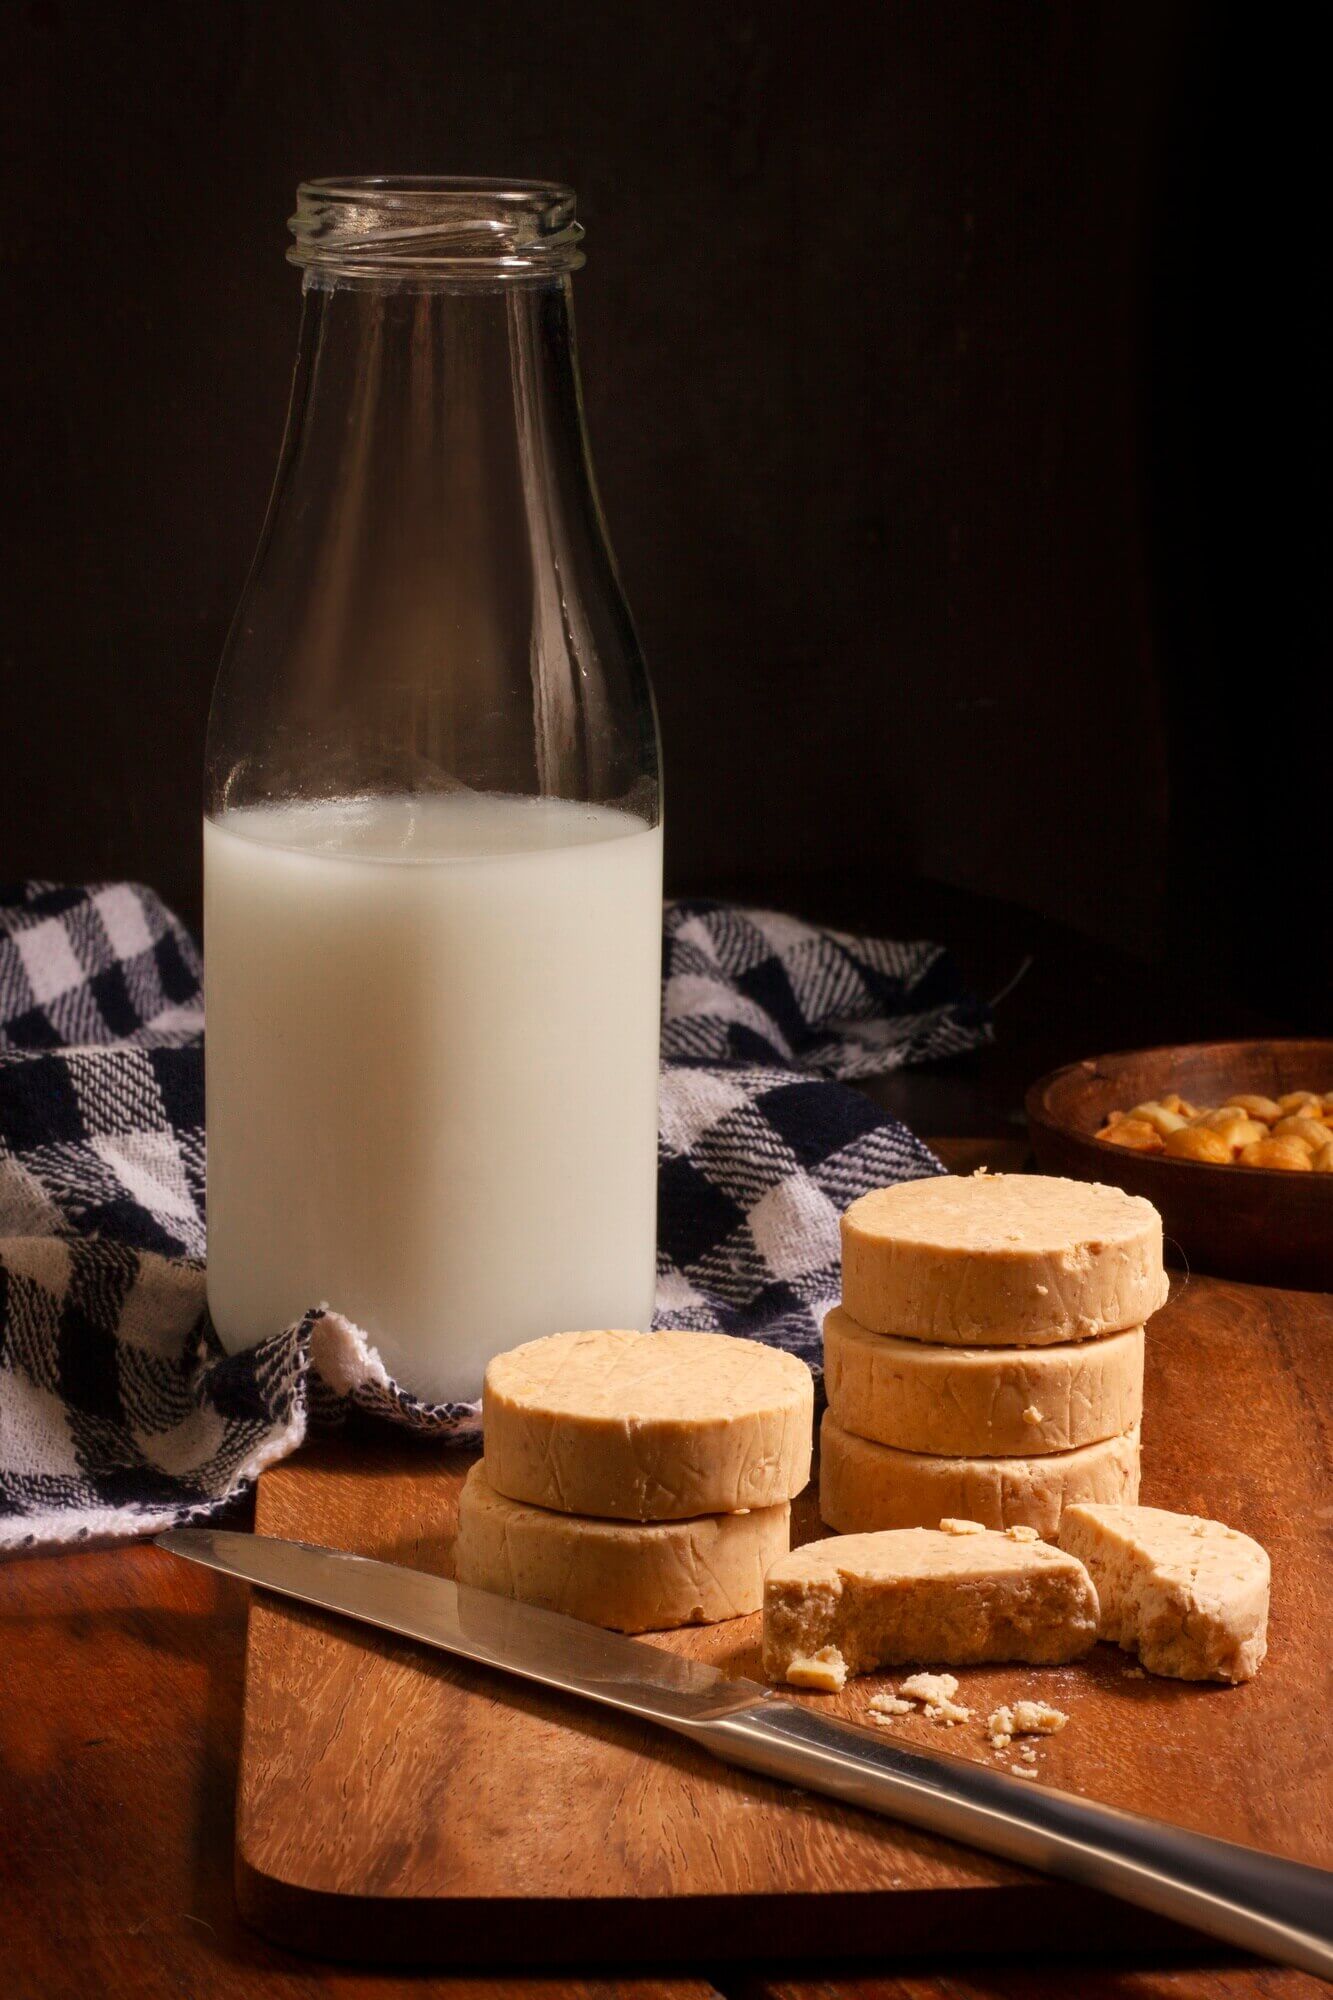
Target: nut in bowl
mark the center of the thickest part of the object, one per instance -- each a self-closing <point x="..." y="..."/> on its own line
<point x="1292" y="1133"/>
<point x="1231" y="1141"/>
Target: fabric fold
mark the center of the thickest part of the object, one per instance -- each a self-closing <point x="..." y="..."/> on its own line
<point x="119" y="1412"/>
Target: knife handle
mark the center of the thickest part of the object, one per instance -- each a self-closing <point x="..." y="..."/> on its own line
<point x="1258" y="1902"/>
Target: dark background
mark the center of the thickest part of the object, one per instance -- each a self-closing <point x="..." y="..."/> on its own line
<point x="952" y="376"/>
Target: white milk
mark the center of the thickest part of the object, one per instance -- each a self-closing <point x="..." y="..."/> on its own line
<point x="432" y="1046"/>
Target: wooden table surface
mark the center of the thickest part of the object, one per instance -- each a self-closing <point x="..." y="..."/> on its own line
<point x="120" y="1703"/>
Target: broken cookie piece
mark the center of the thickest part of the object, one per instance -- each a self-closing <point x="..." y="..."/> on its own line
<point x="918" y="1594"/>
<point x="824" y="1671"/>
<point x="1187" y="1595"/>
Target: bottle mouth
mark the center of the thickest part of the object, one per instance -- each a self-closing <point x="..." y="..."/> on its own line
<point x="432" y="225"/>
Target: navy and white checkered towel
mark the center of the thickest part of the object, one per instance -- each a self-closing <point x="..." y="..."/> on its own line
<point x="119" y="1413"/>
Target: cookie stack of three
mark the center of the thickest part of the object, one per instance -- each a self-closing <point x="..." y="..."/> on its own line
<point x="986" y="1363"/>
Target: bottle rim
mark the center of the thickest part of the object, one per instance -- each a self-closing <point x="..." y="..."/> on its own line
<point x="434" y="225"/>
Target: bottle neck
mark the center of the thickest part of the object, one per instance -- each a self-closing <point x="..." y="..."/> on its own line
<point x="434" y="564"/>
<point x="435" y="432"/>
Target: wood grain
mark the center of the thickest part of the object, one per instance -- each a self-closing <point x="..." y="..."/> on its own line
<point x="121" y="1673"/>
<point x="398" y="1806"/>
<point x="1063" y="1981"/>
<point x="1237" y="1222"/>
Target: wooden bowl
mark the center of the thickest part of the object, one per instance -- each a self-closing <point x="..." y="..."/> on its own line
<point x="1257" y="1223"/>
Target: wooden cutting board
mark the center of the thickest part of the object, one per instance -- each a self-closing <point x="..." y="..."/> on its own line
<point x="397" y="1805"/>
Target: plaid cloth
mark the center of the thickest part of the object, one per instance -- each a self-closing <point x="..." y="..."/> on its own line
<point x="119" y="1412"/>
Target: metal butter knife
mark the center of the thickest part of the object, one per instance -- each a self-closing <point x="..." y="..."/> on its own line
<point x="1253" y="1900"/>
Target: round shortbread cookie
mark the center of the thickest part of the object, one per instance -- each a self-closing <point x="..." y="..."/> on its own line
<point x="864" y="1487"/>
<point x="648" y="1426"/>
<point x="633" y="1576"/>
<point x="982" y="1402"/>
<point x="1001" y="1260"/>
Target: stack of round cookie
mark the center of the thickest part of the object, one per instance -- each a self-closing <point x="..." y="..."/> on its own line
<point x="636" y="1480"/>
<point x="987" y="1360"/>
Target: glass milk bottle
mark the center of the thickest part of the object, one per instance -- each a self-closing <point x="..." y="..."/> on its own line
<point x="432" y="834"/>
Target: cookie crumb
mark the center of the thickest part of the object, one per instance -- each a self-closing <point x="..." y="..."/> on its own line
<point x="825" y="1671"/>
<point x="930" y="1687"/>
<point x="1025" y="1718"/>
<point x="936" y="1694"/>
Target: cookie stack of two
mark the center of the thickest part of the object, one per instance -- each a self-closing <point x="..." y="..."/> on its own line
<point x="986" y="1363"/>
<point x="636" y="1480"/>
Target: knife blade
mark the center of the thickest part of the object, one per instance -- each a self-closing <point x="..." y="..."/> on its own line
<point x="1250" y="1899"/>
